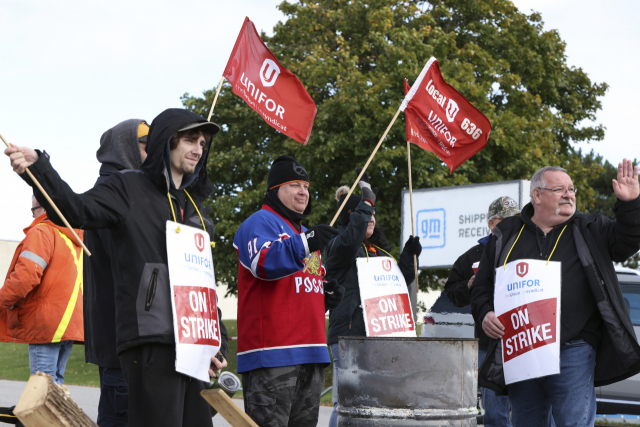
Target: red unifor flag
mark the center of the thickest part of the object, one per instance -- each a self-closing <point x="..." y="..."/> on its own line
<point x="270" y="89"/>
<point x="441" y="120"/>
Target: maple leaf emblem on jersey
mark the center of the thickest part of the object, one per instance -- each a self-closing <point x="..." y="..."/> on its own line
<point x="312" y="264"/>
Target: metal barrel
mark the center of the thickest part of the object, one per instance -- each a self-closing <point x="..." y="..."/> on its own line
<point x="407" y="382"/>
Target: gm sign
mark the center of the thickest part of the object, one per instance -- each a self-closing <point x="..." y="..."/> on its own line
<point x="432" y="227"/>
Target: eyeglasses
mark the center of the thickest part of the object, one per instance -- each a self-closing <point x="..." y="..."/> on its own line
<point x="561" y="190"/>
<point x="33" y="210"/>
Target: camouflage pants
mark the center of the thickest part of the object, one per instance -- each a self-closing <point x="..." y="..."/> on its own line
<point x="284" y="396"/>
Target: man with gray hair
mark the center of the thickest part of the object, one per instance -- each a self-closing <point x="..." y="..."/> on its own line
<point x="458" y="290"/>
<point x="597" y="342"/>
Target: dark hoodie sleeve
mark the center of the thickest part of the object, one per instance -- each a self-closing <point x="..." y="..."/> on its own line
<point x="457" y="285"/>
<point x="224" y="345"/>
<point x="342" y="250"/>
<point x="103" y="206"/>
<point x="483" y="285"/>
<point x="622" y="236"/>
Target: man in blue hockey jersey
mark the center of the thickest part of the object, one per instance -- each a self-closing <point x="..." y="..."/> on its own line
<point x="282" y="301"/>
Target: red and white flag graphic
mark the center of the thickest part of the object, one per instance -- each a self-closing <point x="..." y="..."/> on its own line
<point x="270" y="89"/>
<point x="441" y="120"/>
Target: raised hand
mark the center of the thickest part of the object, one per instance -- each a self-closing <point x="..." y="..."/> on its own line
<point x="20" y="157"/>
<point x="626" y="186"/>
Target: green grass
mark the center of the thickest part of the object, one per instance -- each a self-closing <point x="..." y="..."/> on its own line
<point x="15" y="363"/>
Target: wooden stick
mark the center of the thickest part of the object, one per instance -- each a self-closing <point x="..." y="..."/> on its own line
<point x="215" y="98"/>
<point x="46" y="404"/>
<point x="225" y="407"/>
<point x="413" y="225"/>
<point x="365" y="167"/>
<point x="53" y="205"/>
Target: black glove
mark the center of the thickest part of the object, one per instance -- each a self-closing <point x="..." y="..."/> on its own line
<point x="367" y="192"/>
<point x="413" y="246"/>
<point x="365" y="176"/>
<point x="319" y="236"/>
<point x="333" y="294"/>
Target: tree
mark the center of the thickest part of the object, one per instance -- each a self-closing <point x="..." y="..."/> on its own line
<point x="352" y="56"/>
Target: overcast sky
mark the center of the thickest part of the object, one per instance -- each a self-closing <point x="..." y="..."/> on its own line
<point x="72" y="69"/>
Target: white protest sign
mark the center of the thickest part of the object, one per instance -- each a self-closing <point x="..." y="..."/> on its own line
<point x="384" y="298"/>
<point x="193" y="299"/>
<point x="527" y="303"/>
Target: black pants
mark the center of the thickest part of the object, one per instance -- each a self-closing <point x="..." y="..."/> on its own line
<point x="114" y="399"/>
<point x="158" y="395"/>
<point x="284" y="396"/>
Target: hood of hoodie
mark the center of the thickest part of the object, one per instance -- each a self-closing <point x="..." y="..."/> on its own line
<point x="119" y="145"/>
<point x="64" y="230"/>
<point x="158" y="164"/>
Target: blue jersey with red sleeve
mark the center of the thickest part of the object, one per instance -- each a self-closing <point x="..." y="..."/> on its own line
<point x="281" y="315"/>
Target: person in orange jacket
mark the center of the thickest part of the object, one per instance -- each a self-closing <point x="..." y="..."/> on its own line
<point x="41" y="299"/>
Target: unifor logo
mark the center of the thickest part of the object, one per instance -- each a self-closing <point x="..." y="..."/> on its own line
<point x="199" y="241"/>
<point x="386" y="264"/>
<point x="522" y="268"/>
<point x="452" y="109"/>
<point x="269" y="72"/>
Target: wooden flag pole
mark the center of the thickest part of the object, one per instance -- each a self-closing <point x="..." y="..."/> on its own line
<point x="225" y="407"/>
<point x="215" y="99"/>
<point x="413" y="225"/>
<point x="365" y="168"/>
<point x="53" y="205"/>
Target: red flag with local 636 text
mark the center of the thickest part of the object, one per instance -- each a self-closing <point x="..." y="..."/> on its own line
<point x="270" y="89"/>
<point x="441" y="120"/>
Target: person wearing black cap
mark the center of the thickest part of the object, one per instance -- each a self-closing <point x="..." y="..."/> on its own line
<point x="135" y="205"/>
<point x="282" y="301"/>
<point x="359" y="237"/>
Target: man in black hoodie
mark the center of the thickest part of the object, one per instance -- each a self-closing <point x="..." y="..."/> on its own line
<point x="123" y="147"/>
<point x="171" y="185"/>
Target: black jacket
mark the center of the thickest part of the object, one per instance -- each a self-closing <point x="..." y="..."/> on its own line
<point x="134" y="205"/>
<point x="340" y="260"/>
<point x="599" y="242"/>
<point x="457" y="289"/>
<point x="118" y="150"/>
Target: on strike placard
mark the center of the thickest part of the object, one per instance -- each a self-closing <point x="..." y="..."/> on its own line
<point x="527" y="303"/>
<point x="194" y="303"/>
<point x="384" y="297"/>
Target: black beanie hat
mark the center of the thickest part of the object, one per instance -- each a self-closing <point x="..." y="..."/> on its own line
<point x="285" y="169"/>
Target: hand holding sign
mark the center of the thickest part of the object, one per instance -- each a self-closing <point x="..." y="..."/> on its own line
<point x="626" y="186"/>
<point x="492" y="326"/>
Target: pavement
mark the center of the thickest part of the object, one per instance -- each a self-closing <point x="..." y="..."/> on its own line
<point x="87" y="398"/>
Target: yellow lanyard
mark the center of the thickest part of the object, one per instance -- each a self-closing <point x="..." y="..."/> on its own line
<point x="366" y="251"/>
<point x="514" y="243"/>
<point x="213" y="244"/>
